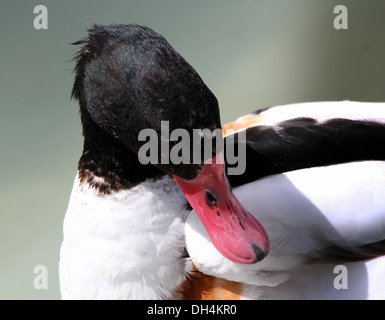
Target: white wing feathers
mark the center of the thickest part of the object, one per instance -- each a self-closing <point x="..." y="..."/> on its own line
<point x="310" y="215"/>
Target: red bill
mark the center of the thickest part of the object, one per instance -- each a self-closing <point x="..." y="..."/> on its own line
<point x="235" y="232"/>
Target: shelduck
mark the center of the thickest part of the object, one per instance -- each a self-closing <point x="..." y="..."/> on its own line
<point x="307" y="214"/>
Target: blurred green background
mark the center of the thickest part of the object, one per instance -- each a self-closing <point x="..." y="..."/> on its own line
<point x="252" y="54"/>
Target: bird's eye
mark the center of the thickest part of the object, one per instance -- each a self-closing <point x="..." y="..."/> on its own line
<point x="210" y="199"/>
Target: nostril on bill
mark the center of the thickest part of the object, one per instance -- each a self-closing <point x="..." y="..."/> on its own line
<point x="210" y="199"/>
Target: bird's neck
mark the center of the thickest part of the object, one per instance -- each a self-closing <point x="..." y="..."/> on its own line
<point x="125" y="244"/>
<point x="106" y="164"/>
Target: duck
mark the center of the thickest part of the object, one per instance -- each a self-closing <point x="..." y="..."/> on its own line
<point x="304" y="218"/>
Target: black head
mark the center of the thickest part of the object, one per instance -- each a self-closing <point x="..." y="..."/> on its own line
<point x="129" y="78"/>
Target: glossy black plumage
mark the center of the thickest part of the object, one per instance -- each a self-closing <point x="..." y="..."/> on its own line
<point x="303" y="143"/>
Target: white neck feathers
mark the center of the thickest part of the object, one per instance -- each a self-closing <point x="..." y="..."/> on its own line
<point x="124" y="245"/>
